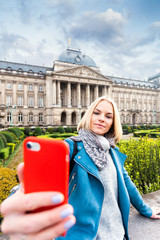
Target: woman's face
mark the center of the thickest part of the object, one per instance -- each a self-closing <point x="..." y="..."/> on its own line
<point x="102" y="118"/>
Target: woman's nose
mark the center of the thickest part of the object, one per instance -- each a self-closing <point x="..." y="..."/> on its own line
<point x="101" y="117"/>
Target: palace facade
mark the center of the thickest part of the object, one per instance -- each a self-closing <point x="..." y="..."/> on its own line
<point x="59" y="95"/>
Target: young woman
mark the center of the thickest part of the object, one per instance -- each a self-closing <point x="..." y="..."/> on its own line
<point x="100" y="190"/>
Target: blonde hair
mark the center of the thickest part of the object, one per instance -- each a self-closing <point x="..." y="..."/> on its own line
<point x="116" y="129"/>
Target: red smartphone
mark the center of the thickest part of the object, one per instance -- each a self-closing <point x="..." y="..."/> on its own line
<point x="46" y="166"/>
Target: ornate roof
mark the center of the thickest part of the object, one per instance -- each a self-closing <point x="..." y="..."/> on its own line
<point x="11" y="66"/>
<point x="76" y="57"/>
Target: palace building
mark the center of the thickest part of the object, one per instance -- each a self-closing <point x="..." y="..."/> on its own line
<point x="59" y="95"/>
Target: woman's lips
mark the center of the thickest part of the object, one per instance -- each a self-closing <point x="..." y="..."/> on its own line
<point x="99" y="125"/>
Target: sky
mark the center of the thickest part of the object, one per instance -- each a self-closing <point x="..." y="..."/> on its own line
<point x="121" y="36"/>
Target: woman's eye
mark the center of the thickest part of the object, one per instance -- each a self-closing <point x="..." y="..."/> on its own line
<point x="96" y="113"/>
<point x="109" y="117"/>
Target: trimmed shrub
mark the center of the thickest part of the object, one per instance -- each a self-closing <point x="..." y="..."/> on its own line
<point x="14" y="136"/>
<point x="27" y="131"/>
<point x="1" y="143"/>
<point x="50" y="130"/>
<point x="16" y="131"/>
<point x="154" y="133"/>
<point x="11" y="147"/>
<point x="9" y="137"/>
<point x="4" y="139"/>
<point x="4" y="153"/>
<point x="68" y="130"/>
<point x="37" y="131"/>
<point x="60" y="130"/>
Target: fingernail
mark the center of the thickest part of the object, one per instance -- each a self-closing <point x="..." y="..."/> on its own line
<point x="57" y="198"/>
<point x="69" y="224"/>
<point x="66" y="212"/>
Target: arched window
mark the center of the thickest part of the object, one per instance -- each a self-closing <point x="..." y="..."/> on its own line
<point x="41" y="117"/>
<point x="73" y="118"/>
<point x="63" y="118"/>
<point x="20" y="117"/>
<point x="30" y="117"/>
<point x="9" y="117"/>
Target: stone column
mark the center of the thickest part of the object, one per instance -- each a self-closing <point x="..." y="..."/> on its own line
<point x="3" y="92"/>
<point x="88" y="95"/>
<point x="35" y="95"/>
<point x="14" y="94"/>
<point x="54" y="92"/>
<point x="58" y="93"/>
<point x="125" y="101"/>
<point x="78" y="95"/>
<point x="49" y="92"/>
<point x="25" y="95"/>
<point x="68" y="94"/>
<point x="109" y="92"/>
<point x="158" y="109"/>
<point x="119" y="100"/>
<point x="130" y="101"/>
<point x="68" y="119"/>
<point x="96" y="92"/>
<point x="104" y="90"/>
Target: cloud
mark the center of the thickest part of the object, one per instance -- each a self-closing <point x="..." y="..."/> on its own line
<point x="12" y="45"/>
<point x="105" y="27"/>
<point x="62" y="8"/>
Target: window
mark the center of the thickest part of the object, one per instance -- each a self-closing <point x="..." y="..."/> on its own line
<point x="20" y="117"/>
<point x="40" y="88"/>
<point x="20" y="86"/>
<point x="40" y="117"/>
<point x="122" y="105"/>
<point x="31" y="117"/>
<point x="127" y="105"/>
<point x="20" y="101"/>
<point x="31" y="102"/>
<point x="127" y="119"/>
<point x="140" y="105"/>
<point x="9" y="100"/>
<point x="134" y="105"/>
<point x="40" y="102"/>
<point x="30" y="87"/>
<point x="9" y="85"/>
<point x="122" y="95"/>
<point x="9" y="117"/>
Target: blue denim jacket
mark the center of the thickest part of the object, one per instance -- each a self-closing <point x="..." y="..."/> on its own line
<point x="86" y="193"/>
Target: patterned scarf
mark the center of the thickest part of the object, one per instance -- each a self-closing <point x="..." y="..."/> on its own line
<point x="94" y="148"/>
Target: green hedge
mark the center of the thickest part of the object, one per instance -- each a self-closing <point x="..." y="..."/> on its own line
<point x="27" y="131"/>
<point x="4" y="139"/>
<point x="1" y="143"/>
<point x="37" y="131"/>
<point x="154" y="133"/>
<point x="4" y="153"/>
<point x="11" y="147"/>
<point x="143" y="162"/>
<point x="9" y="137"/>
<point x="16" y="131"/>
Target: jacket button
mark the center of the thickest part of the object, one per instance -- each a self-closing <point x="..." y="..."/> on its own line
<point x="79" y="157"/>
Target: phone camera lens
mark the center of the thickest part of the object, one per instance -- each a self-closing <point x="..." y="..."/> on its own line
<point x="29" y="145"/>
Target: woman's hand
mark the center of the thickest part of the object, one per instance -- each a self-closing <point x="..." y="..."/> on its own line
<point x="21" y="223"/>
<point x="155" y="213"/>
